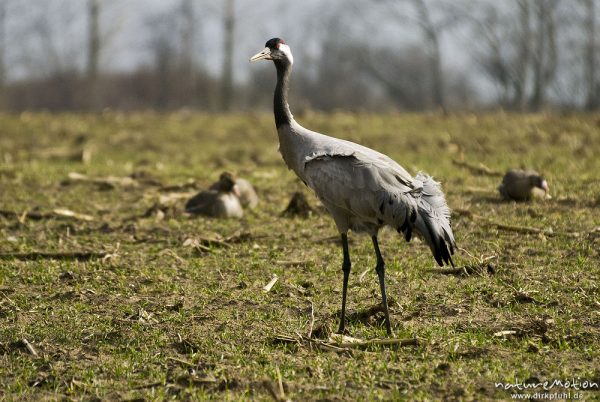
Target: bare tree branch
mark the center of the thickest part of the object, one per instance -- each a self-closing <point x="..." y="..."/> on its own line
<point x="227" y="72"/>
<point x="593" y="93"/>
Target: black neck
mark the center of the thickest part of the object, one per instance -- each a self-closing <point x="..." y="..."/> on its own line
<point x="280" y="103"/>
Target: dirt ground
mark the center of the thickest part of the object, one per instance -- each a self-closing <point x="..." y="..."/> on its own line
<point x="108" y="290"/>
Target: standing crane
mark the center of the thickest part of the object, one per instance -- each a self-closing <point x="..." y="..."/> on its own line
<point x="362" y="189"/>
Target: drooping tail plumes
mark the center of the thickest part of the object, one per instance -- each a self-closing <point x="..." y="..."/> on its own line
<point x="433" y="221"/>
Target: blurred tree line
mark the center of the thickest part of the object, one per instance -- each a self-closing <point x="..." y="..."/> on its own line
<point x="515" y="54"/>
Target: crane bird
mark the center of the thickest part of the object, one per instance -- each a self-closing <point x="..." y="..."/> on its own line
<point x="247" y="194"/>
<point x="362" y="189"/>
<point x="522" y="185"/>
<point x="222" y="202"/>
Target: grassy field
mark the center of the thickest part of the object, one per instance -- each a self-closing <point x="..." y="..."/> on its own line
<point x="172" y="306"/>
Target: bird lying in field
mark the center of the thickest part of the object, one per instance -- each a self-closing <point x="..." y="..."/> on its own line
<point x="222" y="202"/>
<point x="247" y="194"/>
<point x="362" y="189"/>
<point x="522" y="185"/>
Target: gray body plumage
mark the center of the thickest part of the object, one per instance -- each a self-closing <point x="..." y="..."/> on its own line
<point x="364" y="190"/>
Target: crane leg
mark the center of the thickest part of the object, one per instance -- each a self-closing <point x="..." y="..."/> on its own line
<point x="380" y="268"/>
<point x="346" y="269"/>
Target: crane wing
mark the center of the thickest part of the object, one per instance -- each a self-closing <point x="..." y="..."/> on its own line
<point x="365" y="188"/>
<point x="328" y="146"/>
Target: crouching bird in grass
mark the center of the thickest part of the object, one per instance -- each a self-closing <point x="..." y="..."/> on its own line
<point x="221" y="202"/>
<point x="523" y="185"/>
<point x="362" y="189"/>
<point x="247" y="193"/>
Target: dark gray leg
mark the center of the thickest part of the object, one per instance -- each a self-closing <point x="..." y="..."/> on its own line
<point x="346" y="268"/>
<point x="380" y="268"/>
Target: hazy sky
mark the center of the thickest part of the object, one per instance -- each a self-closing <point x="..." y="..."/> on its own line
<point x="43" y="36"/>
<point x="55" y="30"/>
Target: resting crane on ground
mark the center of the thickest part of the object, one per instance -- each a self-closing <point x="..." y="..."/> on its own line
<point x="362" y="189"/>
<point x="523" y="185"/>
<point x="222" y="202"/>
<point x="247" y="194"/>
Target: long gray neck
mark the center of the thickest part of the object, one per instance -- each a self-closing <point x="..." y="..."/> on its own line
<point x="280" y="103"/>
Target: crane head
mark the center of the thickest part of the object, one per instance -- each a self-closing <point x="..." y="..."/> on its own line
<point x="538" y="181"/>
<point x="543" y="184"/>
<point x="275" y="49"/>
<point x="227" y="183"/>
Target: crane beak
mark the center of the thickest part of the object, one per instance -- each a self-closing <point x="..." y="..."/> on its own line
<point x="264" y="55"/>
<point x="545" y="187"/>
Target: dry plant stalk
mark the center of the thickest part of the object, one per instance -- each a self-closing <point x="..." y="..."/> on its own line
<point x="516" y="228"/>
<point x="108" y="180"/>
<point x="341" y="343"/>
<point x="65" y="255"/>
<point x="280" y="384"/>
<point x="55" y="213"/>
<point x="478" y="169"/>
<point x="344" y="341"/>
<point x="312" y="320"/>
<point x="170" y="252"/>
<point x="67" y="213"/>
<point x="29" y="347"/>
<point x="268" y="286"/>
